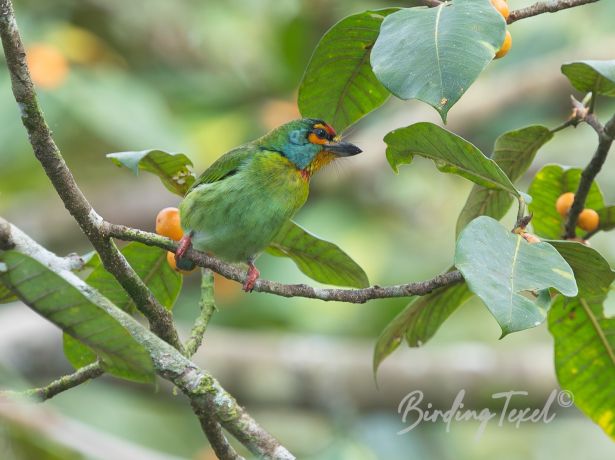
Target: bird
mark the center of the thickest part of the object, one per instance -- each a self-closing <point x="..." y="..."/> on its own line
<point x="239" y="204"/>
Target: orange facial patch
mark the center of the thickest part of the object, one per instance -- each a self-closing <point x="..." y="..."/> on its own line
<point x="314" y="139"/>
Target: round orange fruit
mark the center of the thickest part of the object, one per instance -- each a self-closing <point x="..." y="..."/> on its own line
<point x="564" y="203"/>
<point x="167" y="224"/>
<point x="588" y="220"/>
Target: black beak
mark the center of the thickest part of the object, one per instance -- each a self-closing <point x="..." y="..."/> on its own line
<point x="343" y="149"/>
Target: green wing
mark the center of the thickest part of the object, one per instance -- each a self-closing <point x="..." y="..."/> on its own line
<point x="226" y="165"/>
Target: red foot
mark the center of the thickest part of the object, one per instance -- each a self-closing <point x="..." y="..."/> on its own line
<point x="184" y="244"/>
<point x="251" y="277"/>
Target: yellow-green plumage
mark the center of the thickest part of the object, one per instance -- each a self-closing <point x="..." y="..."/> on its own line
<point x="239" y="204"/>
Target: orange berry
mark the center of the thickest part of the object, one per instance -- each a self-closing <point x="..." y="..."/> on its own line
<point x="588" y="220"/>
<point x="48" y="66"/>
<point x="502" y="7"/>
<point x="173" y="264"/>
<point x="167" y="224"/>
<point x="505" y="48"/>
<point x="564" y="203"/>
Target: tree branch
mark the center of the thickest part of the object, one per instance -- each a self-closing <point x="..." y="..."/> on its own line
<point x="288" y="290"/>
<point x="606" y="135"/>
<point x="161" y="321"/>
<point x="86" y="373"/>
<point x="207" y="397"/>
<point x="48" y="154"/>
<point x="545" y="7"/>
<point x="207" y="307"/>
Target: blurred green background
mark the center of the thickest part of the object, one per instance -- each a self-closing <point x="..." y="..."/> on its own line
<point x="201" y="77"/>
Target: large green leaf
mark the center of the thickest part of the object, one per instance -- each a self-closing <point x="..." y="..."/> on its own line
<point x="607" y="218"/>
<point x="320" y="260"/>
<point x="435" y="54"/>
<point x="420" y="320"/>
<point x="451" y="153"/>
<point x="507" y="273"/>
<point x="339" y="85"/>
<point x="595" y="76"/>
<point x="6" y="295"/>
<point x="548" y="184"/>
<point x="151" y="265"/>
<point x="78" y="313"/>
<point x="584" y="338"/>
<point x="172" y="168"/>
<point x="514" y="152"/>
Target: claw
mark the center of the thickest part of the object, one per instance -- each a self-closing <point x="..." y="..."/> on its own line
<point x="251" y="277"/>
<point x="184" y="244"/>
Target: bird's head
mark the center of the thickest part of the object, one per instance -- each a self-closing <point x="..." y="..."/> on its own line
<point x="308" y="143"/>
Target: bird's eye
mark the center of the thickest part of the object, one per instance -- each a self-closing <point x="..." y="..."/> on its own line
<point x="321" y="133"/>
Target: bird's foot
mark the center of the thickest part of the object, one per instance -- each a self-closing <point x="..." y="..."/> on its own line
<point x="251" y="277"/>
<point x="184" y="244"/>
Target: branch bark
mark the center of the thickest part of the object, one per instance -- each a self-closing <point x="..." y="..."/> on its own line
<point x="288" y="290"/>
<point x="606" y="136"/>
<point x="552" y="6"/>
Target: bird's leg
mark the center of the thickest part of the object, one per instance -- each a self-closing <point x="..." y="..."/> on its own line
<point x="251" y="276"/>
<point x="184" y="244"/>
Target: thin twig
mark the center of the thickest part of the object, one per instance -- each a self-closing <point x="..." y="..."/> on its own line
<point x="288" y="290"/>
<point x="48" y="154"/>
<point x="207" y="307"/>
<point x="213" y="430"/>
<point x="86" y="373"/>
<point x="606" y="135"/>
<point x="545" y="7"/>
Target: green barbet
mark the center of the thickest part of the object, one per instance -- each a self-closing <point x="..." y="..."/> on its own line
<point x="240" y="203"/>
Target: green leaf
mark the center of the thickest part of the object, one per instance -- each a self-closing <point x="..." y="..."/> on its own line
<point x="151" y="265"/>
<point x="451" y="153"/>
<point x="77" y="312"/>
<point x="607" y="218"/>
<point x="435" y="54"/>
<point x="595" y="76"/>
<point x="339" y="85"/>
<point x="548" y="184"/>
<point x="321" y="260"/>
<point x="420" y="320"/>
<point x="514" y="152"/>
<point x="592" y="272"/>
<point x="506" y="272"/>
<point x="584" y="338"/>
<point x="78" y="354"/>
<point x="6" y="295"/>
<point x="174" y="169"/>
